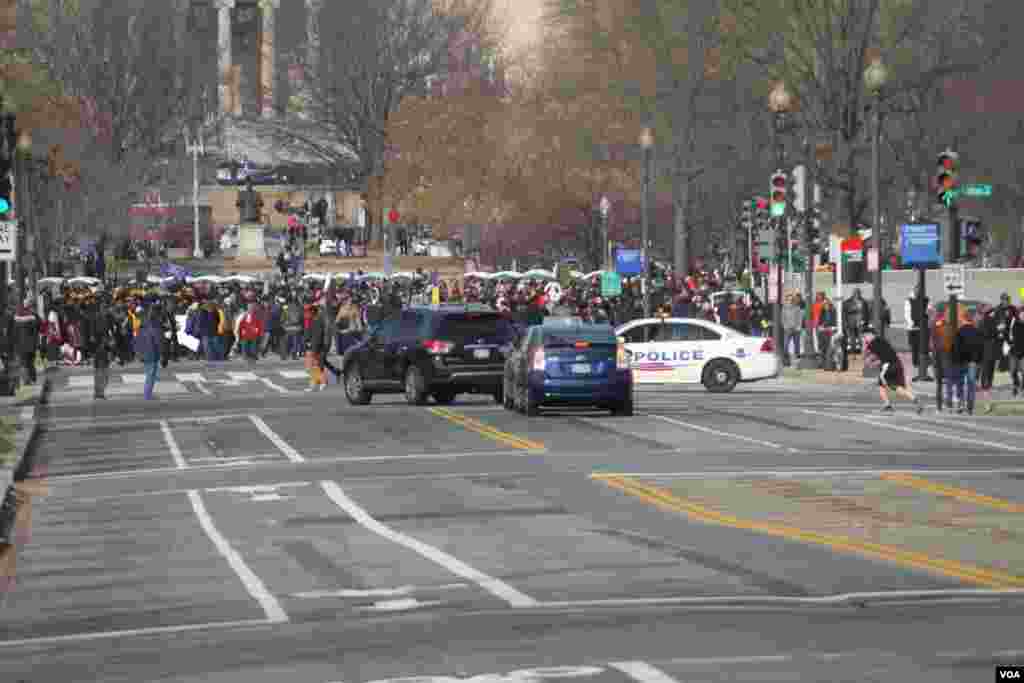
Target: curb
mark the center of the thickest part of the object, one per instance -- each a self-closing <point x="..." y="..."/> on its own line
<point x="28" y="429"/>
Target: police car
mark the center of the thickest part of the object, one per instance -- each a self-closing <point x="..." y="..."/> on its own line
<point x="692" y="351"/>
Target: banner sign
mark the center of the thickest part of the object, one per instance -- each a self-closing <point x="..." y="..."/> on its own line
<point x="628" y="262"/>
<point x="919" y="244"/>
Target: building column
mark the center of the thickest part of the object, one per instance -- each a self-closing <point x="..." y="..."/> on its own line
<point x="224" y="69"/>
<point x="268" y="57"/>
<point x="310" y="73"/>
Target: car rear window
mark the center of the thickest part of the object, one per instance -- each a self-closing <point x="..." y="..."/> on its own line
<point x="461" y="326"/>
<point x="570" y="339"/>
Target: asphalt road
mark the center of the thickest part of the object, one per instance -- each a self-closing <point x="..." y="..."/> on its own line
<point x="240" y="529"/>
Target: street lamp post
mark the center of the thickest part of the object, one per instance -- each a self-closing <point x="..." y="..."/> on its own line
<point x="780" y="102"/>
<point x="874" y="78"/>
<point x="646" y="143"/>
<point x="605" y="206"/>
<point x="195" y="147"/>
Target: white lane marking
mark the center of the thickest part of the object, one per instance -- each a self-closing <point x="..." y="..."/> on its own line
<point x="400" y="591"/>
<point x="253" y="584"/>
<point x="133" y="378"/>
<point x="281" y="444"/>
<point x="400" y="605"/>
<point x="642" y="672"/>
<point x="294" y="374"/>
<point x="837" y="599"/>
<point x="179" y="461"/>
<point x="80" y="381"/>
<point x="242" y="376"/>
<point x="729" y="435"/>
<point x="490" y="584"/>
<point x="132" y="632"/>
<point x="804" y="472"/>
<point x="276" y="387"/>
<point x="909" y="430"/>
<point x="260" y="488"/>
<point x="976" y="425"/>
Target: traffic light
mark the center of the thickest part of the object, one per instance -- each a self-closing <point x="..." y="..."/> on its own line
<point x="800" y="188"/>
<point x="747" y="217"/>
<point x="779" y="194"/>
<point x="814" y="231"/>
<point x="947" y="178"/>
<point x="6" y="191"/>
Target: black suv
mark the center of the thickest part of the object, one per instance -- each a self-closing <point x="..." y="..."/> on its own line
<point x="439" y="350"/>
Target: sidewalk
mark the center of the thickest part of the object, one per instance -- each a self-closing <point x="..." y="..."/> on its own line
<point x="19" y="420"/>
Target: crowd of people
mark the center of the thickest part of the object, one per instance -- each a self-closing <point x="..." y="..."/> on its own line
<point x="309" y="317"/>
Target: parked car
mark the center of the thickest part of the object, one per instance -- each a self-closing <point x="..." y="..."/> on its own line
<point x="437" y="350"/>
<point x="566" y="362"/>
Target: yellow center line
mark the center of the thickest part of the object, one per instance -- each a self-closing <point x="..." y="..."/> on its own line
<point x="955" y="492"/>
<point x="488" y="431"/>
<point x="969" y="573"/>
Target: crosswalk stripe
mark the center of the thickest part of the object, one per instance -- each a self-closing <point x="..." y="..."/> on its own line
<point x="133" y="379"/>
<point x="80" y="381"/>
<point x="293" y="374"/>
<point x="243" y="376"/>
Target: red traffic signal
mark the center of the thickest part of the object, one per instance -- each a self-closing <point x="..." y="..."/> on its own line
<point x="762" y="203"/>
<point x="393" y="216"/>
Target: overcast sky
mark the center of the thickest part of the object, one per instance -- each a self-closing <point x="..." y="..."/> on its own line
<point x="524" y="18"/>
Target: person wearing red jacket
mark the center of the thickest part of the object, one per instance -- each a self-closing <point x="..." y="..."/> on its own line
<point x="250" y="332"/>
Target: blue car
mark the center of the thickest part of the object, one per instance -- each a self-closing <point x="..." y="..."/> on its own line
<point x="566" y="362"/>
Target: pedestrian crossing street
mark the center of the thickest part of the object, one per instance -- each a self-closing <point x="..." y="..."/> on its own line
<point x="171" y="384"/>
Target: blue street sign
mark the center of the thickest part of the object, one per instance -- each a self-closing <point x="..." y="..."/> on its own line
<point x="627" y="262"/>
<point x="919" y="244"/>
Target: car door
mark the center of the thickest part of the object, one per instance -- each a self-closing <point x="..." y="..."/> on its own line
<point x="399" y="351"/>
<point x="380" y="348"/>
<point x="691" y="349"/>
<point x="643" y="358"/>
<point x="522" y="364"/>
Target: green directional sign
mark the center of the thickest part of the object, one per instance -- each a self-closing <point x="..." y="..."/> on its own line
<point x="978" y="190"/>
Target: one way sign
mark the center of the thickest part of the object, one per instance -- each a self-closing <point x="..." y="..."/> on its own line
<point x="953" y="276"/>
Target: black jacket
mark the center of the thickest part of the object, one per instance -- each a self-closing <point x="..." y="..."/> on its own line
<point x="969" y="346"/>
<point x="25" y="334"/>
<point x="315" y="335"/>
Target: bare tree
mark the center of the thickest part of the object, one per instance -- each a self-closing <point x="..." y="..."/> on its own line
<point x="372" y="55"/>
<point x="138" y="83"/>
<point x="820" y="51"/>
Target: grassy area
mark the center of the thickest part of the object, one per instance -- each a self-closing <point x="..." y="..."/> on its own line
<point x="8" y="428"/>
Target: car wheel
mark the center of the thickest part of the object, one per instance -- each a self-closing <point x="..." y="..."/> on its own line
<point x="721" y="376"/>
<point x="624" y="409"/>
<point x="444" y="397"/>
<point x="415" y="391"/>
<point x="355" y="392"/>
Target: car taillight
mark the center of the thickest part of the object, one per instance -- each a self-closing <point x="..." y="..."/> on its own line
<point x="768" y="346"/>
<point x="538" y="360"/>
<point x="436" y="348"/>
<point x="621" y="358"/>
